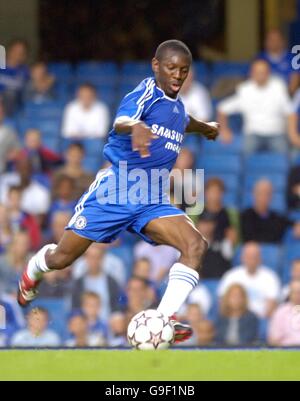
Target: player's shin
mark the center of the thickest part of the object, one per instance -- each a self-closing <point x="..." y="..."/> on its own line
<point x="182" y="280"/>
<point x="37" y="265"/>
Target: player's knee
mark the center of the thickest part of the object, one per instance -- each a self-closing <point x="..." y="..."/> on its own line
<point x="196" y="247"/>
<point x="58" y="260"/>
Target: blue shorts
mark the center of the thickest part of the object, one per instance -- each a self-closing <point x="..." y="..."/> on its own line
<point x="104" y="222"/>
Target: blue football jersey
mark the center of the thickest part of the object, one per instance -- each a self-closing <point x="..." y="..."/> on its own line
<point x="165" y="116"/>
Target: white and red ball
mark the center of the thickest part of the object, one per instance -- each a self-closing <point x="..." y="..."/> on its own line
<point x="150" y="330"/>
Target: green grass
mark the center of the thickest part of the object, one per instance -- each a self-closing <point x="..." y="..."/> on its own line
<point x="163" y="365"/>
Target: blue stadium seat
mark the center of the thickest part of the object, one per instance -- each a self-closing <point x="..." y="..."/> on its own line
<point x="49" y="109"/>
<point x="52" y="143"/>
<point x="93" y="164"/>
<point x="137" y="68"/>
<point x="291" y="253"/>
<point x="294" y="216"/>
<point x="278" y="180"/>
<point x="212" y="164"/>
<point x="93" y="147"/>
<point x="231" y="200"/>
<point x="267" y="163"/>
<point x="271" y="256"/>
<point x="218" y="147"/>
<point x="229" y="69"/>
<point x="97" y="73"/>
<point x="202" y="73"/>
<point x="62" y="70"/>
<point x="278" y="203"/>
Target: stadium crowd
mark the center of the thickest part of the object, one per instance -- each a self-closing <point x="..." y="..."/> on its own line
<point x="54" y="121"/>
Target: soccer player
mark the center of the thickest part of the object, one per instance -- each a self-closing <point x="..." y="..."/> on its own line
<point x="147" y="134"/>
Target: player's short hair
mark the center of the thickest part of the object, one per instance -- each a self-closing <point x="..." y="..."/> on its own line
<point x="173" y="45"/>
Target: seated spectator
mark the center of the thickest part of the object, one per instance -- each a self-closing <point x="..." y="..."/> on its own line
<point x="236" y="325"/>
<point x="99" y="282"/>
<point x="293" y="188"/>
<point x="41" y="86"/>
<point x="184" y="191"/>
<point x="294" y="126"/>
<point x="279" y="57"/>
<point x="5" y="228"/>
<point x="73" y="168"/>
<point x="227" y="220"/>
<point x="193" y="316"/>
<point x="14" y="261"/>
<point x="86" y="117"/>
<point x="264" y="103"/>
<point x="139" y="297"/>
<point x="295" y="276"/>
<point x="216" y="261"/>
<point x="205" y="333"/>
<point x="57" y="285"/>
<point x="91" y="307"/>
<point x="43" y="160"/>
<point x="35" y="197"/>
<point x="284" y="328"/>
<point x="201" y="297"/>
<point x="14" y="77"/>
<point x="196" y="98"/>
<point x="117" y="330"/>
<point x="112" y="265"/>
<point x="80" y="336"/>
<point x="9" y="142"/>
<point x="59" y="220"/>
<point x="142" y="269"/>
<point x="36" y="334"/>
<point x="20" y="220"/>
<point x="63" y="196"/>
<point x="259" y="223"/>
<point x="11" y="321"/>
<point x="253" y="276"/>
<point x="161" y="258"/>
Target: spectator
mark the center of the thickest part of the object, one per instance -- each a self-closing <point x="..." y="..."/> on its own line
<point x="73" y="168"/>
<point x="201" y="297"/>
<point x="85" y="117"/>
<point x="14" y="261"/>
<point x="20" y="220"/>
<point x="295" y="276"/>
<point x="35" y="197"/>
<point x="279" y="58"/>
<point x="37" y="333"/>
<point x="79" y="331"/>
<point x="216" y="261"/>
<point x="14" y="77"/>
<point x="265" y="106"/>
<point x="253" y="276"/>
<point x="193" y="315"/>
<point x="63" y="197"/>
<point x="196" y="98"/>
<point x="57" y="285"/>
<point x="183" y="183"/>
<point x="97" y="281"/>
<point x="294" y="123"/>
<point x="284" y="328"/>
<point x="11" y="322"/>
<point x="236" y="325"/>
<point x="259" y="223"/>
<point x="59" y="221"/>
<point x="205" y="333"/>
<point x="142" y="269"/>
<point x="293" y="188"/>
<point x="9" y="143"/>
<point x="139" y="297"/>
<point x="43" y="160"/>
<point x="117" y="330"/>
<point x="5" y="228"/>
<point x="91" y="307"/>
<point x="41" y="86"/>
<point x="161" y="258"/>
<point x="227" y="220"/>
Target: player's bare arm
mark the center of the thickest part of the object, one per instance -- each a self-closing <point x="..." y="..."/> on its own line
<point x="209" y="130"/>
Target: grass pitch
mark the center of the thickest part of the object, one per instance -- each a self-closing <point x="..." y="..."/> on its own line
<point x="172" y="365"/>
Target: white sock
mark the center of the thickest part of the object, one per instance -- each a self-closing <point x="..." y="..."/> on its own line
<point x="182" y="280"/>
<point x="37" y="265"/>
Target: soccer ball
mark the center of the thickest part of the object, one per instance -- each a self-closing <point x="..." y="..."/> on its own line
<point x="150" y="330"/>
